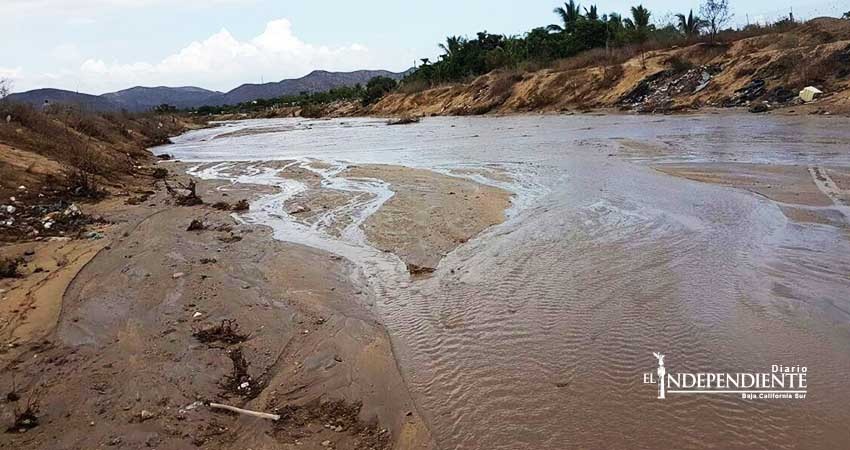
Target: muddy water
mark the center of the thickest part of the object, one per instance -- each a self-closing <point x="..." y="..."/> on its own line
<point x="537" y="333"/>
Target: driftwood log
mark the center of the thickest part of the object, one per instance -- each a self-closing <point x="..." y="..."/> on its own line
<point x="247" y="412"/>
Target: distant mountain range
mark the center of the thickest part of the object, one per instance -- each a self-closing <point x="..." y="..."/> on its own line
<point x="146" y="98"/>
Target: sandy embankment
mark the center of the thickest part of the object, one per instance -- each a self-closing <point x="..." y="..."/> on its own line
<point x="103" y="333"/>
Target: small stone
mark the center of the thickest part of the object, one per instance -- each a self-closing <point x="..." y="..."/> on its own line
<point x="145" y="415"/>
<point x="196" y="315"/>
<point x="326" y="443"/>
<point x="177" y="275"/>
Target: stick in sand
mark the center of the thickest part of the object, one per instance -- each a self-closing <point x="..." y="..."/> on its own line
<point x="261" y="415"/>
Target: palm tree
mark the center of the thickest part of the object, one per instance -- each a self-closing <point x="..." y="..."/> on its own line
<point x="452" y="46"/>
<point x="569" y="14"/>
<point x="690" y="25"/>
<point x="615" y="21"/>
<point x="639" y="20"/>
<point x="592" y="13"/>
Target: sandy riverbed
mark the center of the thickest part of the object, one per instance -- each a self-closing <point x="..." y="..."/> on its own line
<point x="625" y="236"/>
<point x="102" y="329"/>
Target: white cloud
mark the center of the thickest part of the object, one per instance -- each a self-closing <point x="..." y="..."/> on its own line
<point x="9" y="73"/>
<point x="221" y="61"/>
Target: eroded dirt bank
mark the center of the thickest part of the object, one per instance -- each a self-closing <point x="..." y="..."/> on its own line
<point x="761" y="73"/>
<point x="118" y="339"/>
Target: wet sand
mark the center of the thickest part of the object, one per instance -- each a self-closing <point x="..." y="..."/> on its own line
<point x="806" y="194"/>
<point x="430" y="214"/>
<point x="103" y="333"/>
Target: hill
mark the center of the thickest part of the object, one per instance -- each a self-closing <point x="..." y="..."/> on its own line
<point x="86" y="102"/>
<point x="145" y="98"/>
<point x="140" y="98"/>
<point x="315" y="81"/>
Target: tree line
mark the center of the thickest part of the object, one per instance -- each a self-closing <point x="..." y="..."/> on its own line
<point x="374" y="89"/>
<point x="578" y="29"/>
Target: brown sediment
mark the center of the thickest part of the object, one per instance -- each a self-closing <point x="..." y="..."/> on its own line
<point x="30" y="306"/>
<point x="254" y="131"/>
<point x="430" y="213"/>
<point x="491" y="173"/>
<point x="107" y="334"/>
<point x="803" y="193"/>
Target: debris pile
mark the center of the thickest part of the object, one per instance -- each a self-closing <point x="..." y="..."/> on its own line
<point x="656" y="93"/>
<point x="750" y="92"/>
<point x="56" y="218"/>
<point x="227" y="332"/>
<point x="758" y="98"/>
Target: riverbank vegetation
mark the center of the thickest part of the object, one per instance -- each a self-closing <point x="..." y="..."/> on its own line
<point x="309" y="102"/>
<point x="580" y="30"/>
<point x="60" y="149"/>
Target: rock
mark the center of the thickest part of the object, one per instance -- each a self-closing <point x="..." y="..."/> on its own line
<point x="72" y="211"/>
<point x="196" y="225"/>
<point x="298" y="208"/>
<point x="145" y="415"/>
<point x="10" y="209"/>
<point x="197" y="314"/>
<point x="178" y="275"/>
<point x="326" y="443"/>
<point x="759" y="108"/>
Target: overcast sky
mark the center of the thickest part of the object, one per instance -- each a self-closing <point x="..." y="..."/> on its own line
<point x="99" y="46"/>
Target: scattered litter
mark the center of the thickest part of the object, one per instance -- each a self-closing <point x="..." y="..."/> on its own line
<point x="178" y="275"/>
<point x="656" y="93"/>
<point x="197" y="314"/>
<point x="748" y="93"/>
<point x="810" y="93"/>
<point x="94" y="235"/>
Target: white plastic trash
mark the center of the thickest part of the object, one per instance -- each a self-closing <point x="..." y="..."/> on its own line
<point x="809" y="93"/>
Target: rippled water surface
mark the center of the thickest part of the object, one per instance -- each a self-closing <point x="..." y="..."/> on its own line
<point x="537" y="333"/>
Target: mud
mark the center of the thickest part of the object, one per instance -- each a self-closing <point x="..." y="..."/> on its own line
<point x="126" y="336"/>
<point x="624" y="236"/>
